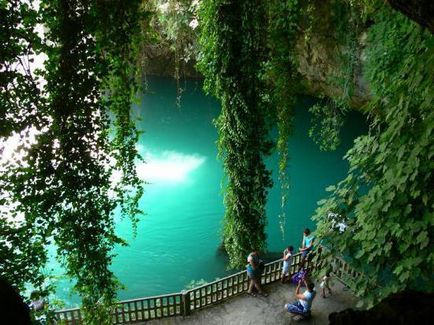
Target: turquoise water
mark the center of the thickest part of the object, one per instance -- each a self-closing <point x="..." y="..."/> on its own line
<point x="177" y="240"/>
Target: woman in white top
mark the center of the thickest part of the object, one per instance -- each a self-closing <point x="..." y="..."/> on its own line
<point x="287" y="261"/>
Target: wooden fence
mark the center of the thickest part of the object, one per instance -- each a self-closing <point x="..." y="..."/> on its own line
<point x="185" y="302"/>
<point x="343" y="271"/>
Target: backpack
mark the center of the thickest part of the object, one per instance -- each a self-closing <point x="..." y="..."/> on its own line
<point x="299" y="276"/>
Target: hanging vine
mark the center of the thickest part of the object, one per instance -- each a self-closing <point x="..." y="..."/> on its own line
<point x="175" y="23"/>
<point x="328" y="115"/>
<point x="326" y="123"/>
<point x="232" y="49"/>
<point x="22" y="253"/>
<point x="118" y="37"/>
<point x="282" y="78"/>
<point x="59" y="188"/>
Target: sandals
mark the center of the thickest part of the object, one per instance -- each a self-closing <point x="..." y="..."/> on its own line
<point x="251" y="294"/>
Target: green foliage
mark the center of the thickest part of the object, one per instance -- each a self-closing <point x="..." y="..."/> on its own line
<point x="22" y="253"/>
<point x="327" y="121"/>
<point x="59" y="190"/>
<point x="19" y="42"/>
<point x="282" y="77"/>
<point x="175" y="23"/>
<point x="346" y="24"/>
<point x="118" y="39"/>
<point x="386" y="200"/>
<point x="232" y="49"/>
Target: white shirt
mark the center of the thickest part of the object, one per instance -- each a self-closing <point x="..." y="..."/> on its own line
<point x="287" y="259"/>
<point x="307" y="301"/>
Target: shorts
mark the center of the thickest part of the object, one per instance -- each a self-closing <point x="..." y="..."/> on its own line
<point x="285" y="268"/>
<point x="307" y="251"/>
<point x="253" y="274"/>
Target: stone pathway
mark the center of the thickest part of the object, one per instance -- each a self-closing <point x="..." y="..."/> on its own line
<point x="245" y="310"/>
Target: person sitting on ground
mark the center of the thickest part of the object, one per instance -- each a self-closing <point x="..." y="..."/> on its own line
<point x="254" y="271"/>
<point x="287" y="261"/>
<point x="303" y="305"/>
<point x="325" y="285"/>
<point x="306" y="245"/>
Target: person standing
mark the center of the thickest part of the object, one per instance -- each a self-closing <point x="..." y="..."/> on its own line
<point x="287" y="261"/>
<point x="254" y="271"/>
<point x="306" y="245"/>
<point x="325" y="285"/>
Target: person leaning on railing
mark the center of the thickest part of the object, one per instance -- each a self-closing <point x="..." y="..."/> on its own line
<point x="306" y="245"/>
<point x="254" y="270"/>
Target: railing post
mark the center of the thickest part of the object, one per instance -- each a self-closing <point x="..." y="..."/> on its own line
<point x="185" y="303"/>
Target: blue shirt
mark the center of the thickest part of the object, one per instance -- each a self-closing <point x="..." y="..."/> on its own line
<point x="307" y="240"/>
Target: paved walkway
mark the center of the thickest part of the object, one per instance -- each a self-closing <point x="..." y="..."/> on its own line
<point x="244" y="309"/>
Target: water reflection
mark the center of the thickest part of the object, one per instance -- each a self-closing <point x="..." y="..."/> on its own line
<point x="167" y="166"/>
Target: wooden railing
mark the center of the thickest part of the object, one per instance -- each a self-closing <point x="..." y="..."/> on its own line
<point x="343" y="271"/>
<point x="139" y="310"/>
<point x="219" y="290"/>
<point x="134" y="310"/>
<point x="185" y="302"/>
<point x="340" y="268"/>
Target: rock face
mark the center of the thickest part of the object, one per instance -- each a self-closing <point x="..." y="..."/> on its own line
<point x="319" y="56"/>
<point x="323" y="55"/>
<point x="318" y="63"/>
<point x="421" y="11"/>
<point x="12" y="306"/>
<point x="159" y="60"/>
<point x="408" y="307"/>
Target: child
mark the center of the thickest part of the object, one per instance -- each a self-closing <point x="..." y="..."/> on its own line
<point x="37" y="302"/>
<point x="325" y="285"/>
<point x="287" y="261"/>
